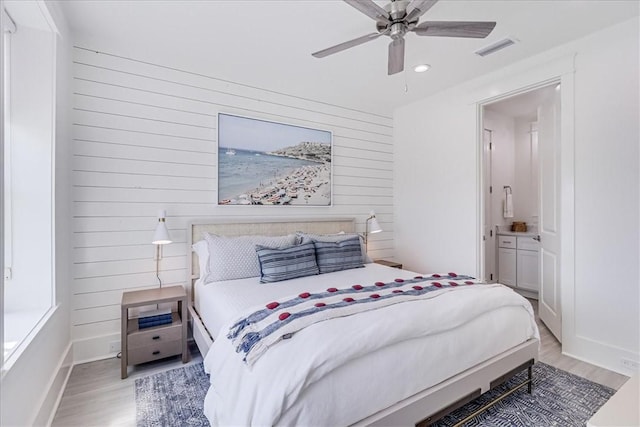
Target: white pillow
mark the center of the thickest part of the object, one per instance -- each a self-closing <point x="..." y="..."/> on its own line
<point x="235" y="257"/>
<point x="339" y="237"/>
<point x="201" y="248"/>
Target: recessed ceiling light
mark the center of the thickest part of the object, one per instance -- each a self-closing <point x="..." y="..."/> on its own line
<point x="421" y="68"/>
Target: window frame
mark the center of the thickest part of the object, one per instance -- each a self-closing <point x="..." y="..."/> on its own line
<point x="36" y="18"/>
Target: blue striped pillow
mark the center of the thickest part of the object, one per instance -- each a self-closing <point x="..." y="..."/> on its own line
<point x="289" y="262"/>
<point x="336" y="256"/>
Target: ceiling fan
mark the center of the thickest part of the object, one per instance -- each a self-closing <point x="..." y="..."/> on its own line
<point x="400" y="17"/>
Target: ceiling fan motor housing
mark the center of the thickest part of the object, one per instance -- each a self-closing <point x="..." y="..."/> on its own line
<point x="397" y="11"/>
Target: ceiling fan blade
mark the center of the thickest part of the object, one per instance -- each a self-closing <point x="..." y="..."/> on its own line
<point x="396" y="56"/>
<point x="417" y="8"/>
<point x="468" y="29"/>
<point x="346" y="45"/>
<point x="369" y="8"/>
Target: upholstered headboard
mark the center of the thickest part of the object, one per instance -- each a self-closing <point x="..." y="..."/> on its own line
<point x="232" y="227"/>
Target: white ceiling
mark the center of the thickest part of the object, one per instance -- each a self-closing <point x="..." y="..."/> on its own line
<point x="268" y="43"/>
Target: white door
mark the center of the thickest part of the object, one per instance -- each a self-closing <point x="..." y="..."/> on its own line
<point x="549" y="221"/>
<point x="488" y="233"/>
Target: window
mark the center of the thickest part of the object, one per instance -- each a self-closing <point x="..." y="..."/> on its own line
<point x="28" y="80"/>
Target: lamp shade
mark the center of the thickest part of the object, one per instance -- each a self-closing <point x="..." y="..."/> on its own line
<point x="374" y="226"/>
<point x="161" y="235"/>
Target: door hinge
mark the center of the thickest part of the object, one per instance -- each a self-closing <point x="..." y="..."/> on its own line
<point x="484" y="238"/>
<point x="490" y="189"/>
<point x="491" y="146"/>
<point x="490" y="233"/>
<point x="491" y="276"/>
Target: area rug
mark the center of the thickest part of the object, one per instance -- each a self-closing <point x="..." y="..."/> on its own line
<point x="175" y="398"/>
<point x="172" y="398"/>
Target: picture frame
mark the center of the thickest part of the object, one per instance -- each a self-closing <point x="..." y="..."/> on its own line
<point x="266" y="163"/>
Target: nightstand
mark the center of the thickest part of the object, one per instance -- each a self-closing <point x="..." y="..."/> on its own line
<point x="388" y="263"/>
<point x="157" y="342"/>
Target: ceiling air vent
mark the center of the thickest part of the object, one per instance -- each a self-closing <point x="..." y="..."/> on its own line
<point x="494" y="47"/>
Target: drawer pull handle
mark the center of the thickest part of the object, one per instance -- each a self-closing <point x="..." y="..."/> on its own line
<point x="157" y="337"/>
<point x="156" y="352"/>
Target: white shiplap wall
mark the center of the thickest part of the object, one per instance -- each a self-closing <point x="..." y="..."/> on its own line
<point x="144" y="139"/>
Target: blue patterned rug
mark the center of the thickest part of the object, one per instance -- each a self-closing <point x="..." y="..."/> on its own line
<point x="175" y="398"/>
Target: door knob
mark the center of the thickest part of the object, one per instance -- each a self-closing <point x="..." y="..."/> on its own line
<point x="536" y="238"/>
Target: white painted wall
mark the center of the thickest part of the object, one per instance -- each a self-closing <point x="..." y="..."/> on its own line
<point x="32" y="386"/>
<point x="502" y="163"/>
<point x="436" y="173"/>
<point x="525" y="197"/>
<point x="144" y="138"/>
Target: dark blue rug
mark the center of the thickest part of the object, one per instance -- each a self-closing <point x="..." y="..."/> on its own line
<point x="558" y="399"/>
<point x="175" y="398"/>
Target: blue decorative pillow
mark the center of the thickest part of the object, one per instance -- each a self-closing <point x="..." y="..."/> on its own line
<point x="336" y="256"/>
<point x="287" y="262"/>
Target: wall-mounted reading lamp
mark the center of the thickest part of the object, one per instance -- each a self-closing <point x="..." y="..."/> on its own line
<point x="371" y="226"/>
<point x="160" y="238"/>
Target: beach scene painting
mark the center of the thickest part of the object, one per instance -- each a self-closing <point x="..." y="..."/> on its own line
<point x="268" y="163"/>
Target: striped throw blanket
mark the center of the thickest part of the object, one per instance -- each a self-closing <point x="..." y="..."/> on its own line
<point x="253" y="334"/>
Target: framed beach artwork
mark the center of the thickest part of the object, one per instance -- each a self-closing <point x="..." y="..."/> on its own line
<point x="268" y="163"/>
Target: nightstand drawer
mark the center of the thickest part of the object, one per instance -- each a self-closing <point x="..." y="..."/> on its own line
<point x="154" y="352"/>
<point x="159" y="334"/>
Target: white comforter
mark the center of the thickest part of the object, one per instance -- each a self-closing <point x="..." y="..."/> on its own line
<point x="340" y="371"/>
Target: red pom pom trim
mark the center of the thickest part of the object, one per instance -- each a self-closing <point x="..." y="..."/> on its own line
<point x="399" y="280"/>
<point x="469" y="282"/>
<point x="437" y="284"/>
<point x="453" y="275"/>
<point x="418" y="277"/>
<point x="417" y="288"/>
<point x="453" y="283"/>
<point x="374" y="296"/>
<point x="332" y="290"/>
<point x="320" y="304"/>
<point x="379" y="283"/>
<point x="304" y="295"/>
<point x="272" y="305"/>
<point x="284" y="315"/>
<point x="435" y="275"/>
<point x="357" y="287"/>
<point x="348" y="300"/>
<point x="397" y="291"/>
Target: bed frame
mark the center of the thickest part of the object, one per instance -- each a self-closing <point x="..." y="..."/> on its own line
<point x="421" y="409"/>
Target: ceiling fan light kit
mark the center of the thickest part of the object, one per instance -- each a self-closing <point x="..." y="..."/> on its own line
<point x="400" y="17"/>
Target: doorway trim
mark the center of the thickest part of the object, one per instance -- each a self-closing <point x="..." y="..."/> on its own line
<point x="560" y="70"/>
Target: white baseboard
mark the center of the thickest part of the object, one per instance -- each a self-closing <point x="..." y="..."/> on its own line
<point x="599" y="354"/>
<point x="55" y="390"/>
<point x="95" y="348"/>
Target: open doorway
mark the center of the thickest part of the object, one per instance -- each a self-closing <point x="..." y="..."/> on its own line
<point x="520" y="168"/>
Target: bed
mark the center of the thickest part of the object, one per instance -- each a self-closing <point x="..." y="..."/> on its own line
<point x="354" y="370"/>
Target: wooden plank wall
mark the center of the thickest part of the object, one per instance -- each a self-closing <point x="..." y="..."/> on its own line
<point x="144" y="139"/>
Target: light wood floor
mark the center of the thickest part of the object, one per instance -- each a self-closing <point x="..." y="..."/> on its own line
<point x="96" y="396"/>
